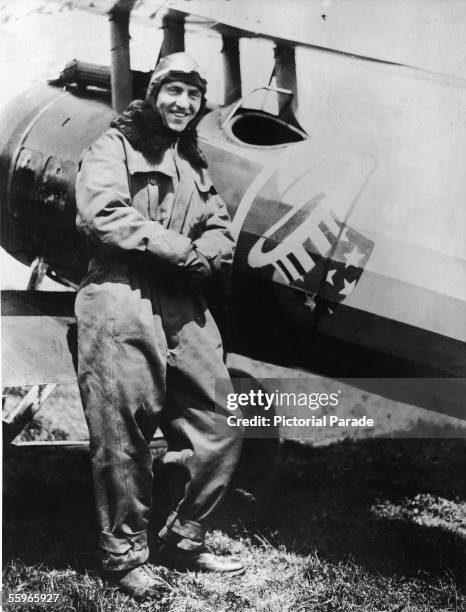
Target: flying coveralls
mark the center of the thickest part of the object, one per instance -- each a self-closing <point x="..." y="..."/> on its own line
<point x="149" y="350"/>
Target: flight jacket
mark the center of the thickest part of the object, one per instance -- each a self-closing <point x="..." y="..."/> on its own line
<point x="163" y="210"/>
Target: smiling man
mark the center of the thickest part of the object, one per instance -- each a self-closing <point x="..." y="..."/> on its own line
<point x="178" y="103"/>
<point x="149" y="349"/>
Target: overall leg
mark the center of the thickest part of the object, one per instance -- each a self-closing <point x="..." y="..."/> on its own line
<point x="203" y="449"/>
<point x="122" y="354"/>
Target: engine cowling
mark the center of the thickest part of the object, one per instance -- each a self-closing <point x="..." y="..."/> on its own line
<point x="45" y="131"/>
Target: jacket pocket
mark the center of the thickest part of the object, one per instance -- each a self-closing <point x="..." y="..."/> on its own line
<point x="198" y="210"/>
<point x="152" y="197"/>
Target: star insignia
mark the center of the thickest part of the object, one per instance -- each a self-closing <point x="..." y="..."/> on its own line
<point x="348" y="288"/>
<point x="310" y="302"/>
<point x="330" y="276"/>
<point x="354" y="257"/>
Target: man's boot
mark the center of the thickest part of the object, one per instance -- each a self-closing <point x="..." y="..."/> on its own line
<point x="200" y="560"/>
<point x="139" y="582"/>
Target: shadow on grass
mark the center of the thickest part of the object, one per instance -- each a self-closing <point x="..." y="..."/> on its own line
<point x="325" y="500"/>
<point x="48" y="510"/>
<point x="319" y="500"/>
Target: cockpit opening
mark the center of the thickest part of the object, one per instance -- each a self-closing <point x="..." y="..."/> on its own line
<point x="256" y="126"/>
<point x="259" y="128"/>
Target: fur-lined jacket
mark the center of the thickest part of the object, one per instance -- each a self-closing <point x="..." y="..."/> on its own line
<point x="141" y="187"/>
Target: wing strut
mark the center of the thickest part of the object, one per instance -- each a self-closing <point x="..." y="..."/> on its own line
<point x="173" y="35"/>
<point x="285" y="74"/>
<point x="232" y="72"/>
<point x="120" y="68"/>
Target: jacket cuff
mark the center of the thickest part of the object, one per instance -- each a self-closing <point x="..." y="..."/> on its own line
<point x="215" y="261"/>
<point x="169" y="246"/>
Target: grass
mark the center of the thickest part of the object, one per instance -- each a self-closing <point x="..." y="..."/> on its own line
<point x="372" y="525"/>
<point x="359" y="524"/>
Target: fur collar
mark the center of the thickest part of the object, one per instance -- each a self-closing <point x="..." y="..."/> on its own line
<point x="142" y="126"/>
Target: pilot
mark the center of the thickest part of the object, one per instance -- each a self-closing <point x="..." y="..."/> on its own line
<point x="149" y="351"/>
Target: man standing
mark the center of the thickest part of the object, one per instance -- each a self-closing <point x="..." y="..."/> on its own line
<point x="149" y="349"/>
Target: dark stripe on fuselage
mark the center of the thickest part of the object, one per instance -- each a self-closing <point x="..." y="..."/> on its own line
<point x="38" y="303"/>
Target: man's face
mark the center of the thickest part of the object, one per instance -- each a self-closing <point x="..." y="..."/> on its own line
<point x="178" y="103"/>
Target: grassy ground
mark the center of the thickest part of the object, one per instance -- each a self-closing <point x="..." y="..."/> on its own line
<point x="359" y="524"/>
<point x="356" y="525"/>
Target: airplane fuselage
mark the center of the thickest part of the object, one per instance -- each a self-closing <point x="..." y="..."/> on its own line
<point x="312" y="285"/>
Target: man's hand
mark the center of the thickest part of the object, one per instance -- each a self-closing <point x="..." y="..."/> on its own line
<point x="197" y="268"/>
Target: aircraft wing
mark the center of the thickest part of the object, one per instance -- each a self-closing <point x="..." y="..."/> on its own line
<point x="393" y="32"/>
<point x="37" y="337"/>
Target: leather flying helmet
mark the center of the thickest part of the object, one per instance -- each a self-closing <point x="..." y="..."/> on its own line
<point x="177" y="67"/>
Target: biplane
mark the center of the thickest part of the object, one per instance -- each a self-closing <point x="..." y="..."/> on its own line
<point x="343" y="174"/>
